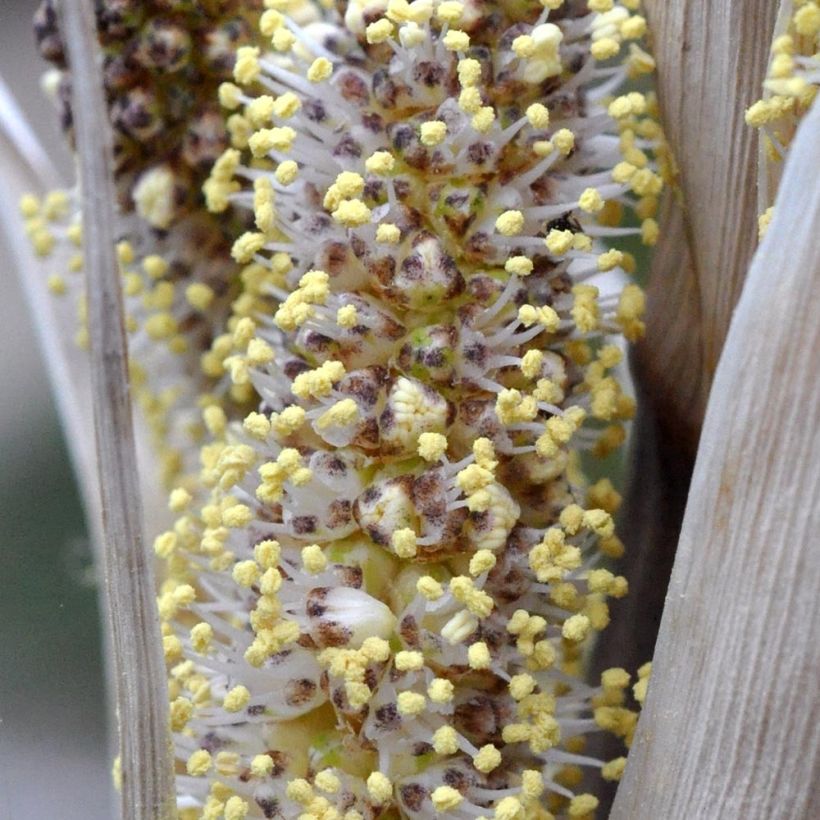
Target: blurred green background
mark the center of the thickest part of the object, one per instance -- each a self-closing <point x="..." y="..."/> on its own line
<point x="53" y="757"/>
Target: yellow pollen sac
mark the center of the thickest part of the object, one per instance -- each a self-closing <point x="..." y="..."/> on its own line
<point x="379" y="788"/>
<point x="320" y="69"/>
<point x="432" y="446"/>
<point x="456" y="40"/>
<point x="469" y="72"/>
<point x="509" y="808"/>
<point x="404" y="543"/>
<point x="445" y="741"/>
<point x="564" y="141"/>
<point x="352" y="213"/>
<point x="318" y="383"/>
<point x="481" y="562"/>
<point x="409" y="661"/>
<point x="342" y="414"/>
<point x="286" y="172"/>
<point x="559" y="242"/>
<point x="347" y="316"/>
<point x="388" y="234"/>
<point x="510" y="223"/>
<point x="450" y="11"/>
<point x="591" y="201"/>
<point x="236" y="699"/>
<point x="379" y="32"/>
<point x="199" y="763"/>
<point x="411" y="703"/>
<point x="538" y="115"/>
<point x="518" y="266"/>
<point x="440" y="690"/>
<point x="487" y="759"/>
<point x="544" y="315"/>
<point x="327" y="781"/>
<point x="478" y="656"/>
<point x="576" y="628"/>
<point x="432" y="133"/>
<point x="483" y="119"/>
<point x="582" y="805"/>
<point x="613" y="770"/>
<point x="261" y="765"/>
<point x="445" y="798"/>
<point x="313" y="559"/>
<point x="246" y="68"/>
<point x="236" y="808"/>
<point x="380" y="163"/>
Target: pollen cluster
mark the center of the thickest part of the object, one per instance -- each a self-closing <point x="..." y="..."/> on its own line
<point x="382" y="580"/>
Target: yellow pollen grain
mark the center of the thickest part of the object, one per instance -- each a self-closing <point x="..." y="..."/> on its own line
<point x="518" y="266"/>
<point x="379" y="32"/>
<point x="320" y="69"/>
<point x="379" y="788"/>
<point x="445" y="740"/>
<point x="487" y="759"/>
<point x="411" y="704"/>
<point x="380" y="163"/>
<point x="432" y="446"/>
<point x="313" y="559"/>
<point x="538" y="116"/>
<point x="246" y="68"/>
<point x="236" y="699"/>
<point x="478" y="655"/>
<point x="456" y="40"/>
<point x="432" y="133"/>
<point x="483" y="119"/>
<point x="509" y="808"/>
<point x="445" y="798"/>
<point x="347" y="316"/>
<point x="482" y="561"/>
<point x="199" y="295"/>
<point x="564" y="141"/>
<point x="440" y="690"/>
<point x="591" y="201"/>
<point x="246" y="573"/>
<point x="286" y="172"/>
<point x="558" y="241"/>
<point x="576" y="628"/>
<point x="388" y="234"/>
<point x="510" y="223"/>
<point x="469" y="72"/>
<point x="199" y="763"/>
<point x="352" y="213"/>
<point x="261" y="765"/>
<point x="409" y="661"/>
<point x="404" y="543"/>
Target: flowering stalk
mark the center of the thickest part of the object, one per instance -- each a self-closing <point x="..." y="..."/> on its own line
<point x="129" y="588"/>
<point x="383" y="578"/>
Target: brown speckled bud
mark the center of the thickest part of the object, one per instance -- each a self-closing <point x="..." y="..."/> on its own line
<point x="163" y="45"/>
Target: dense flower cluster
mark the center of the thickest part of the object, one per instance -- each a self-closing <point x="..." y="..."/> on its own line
<point x="163" y="62"/>
<point x="382" y="581"/>
<point x="791" y="85"/>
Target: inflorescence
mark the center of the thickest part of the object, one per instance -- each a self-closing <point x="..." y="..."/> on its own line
<point x="383" y="580"/>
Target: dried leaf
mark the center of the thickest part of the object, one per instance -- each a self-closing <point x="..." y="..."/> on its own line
<point x="147" y="769"/>
<point x="731" y="726"/>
